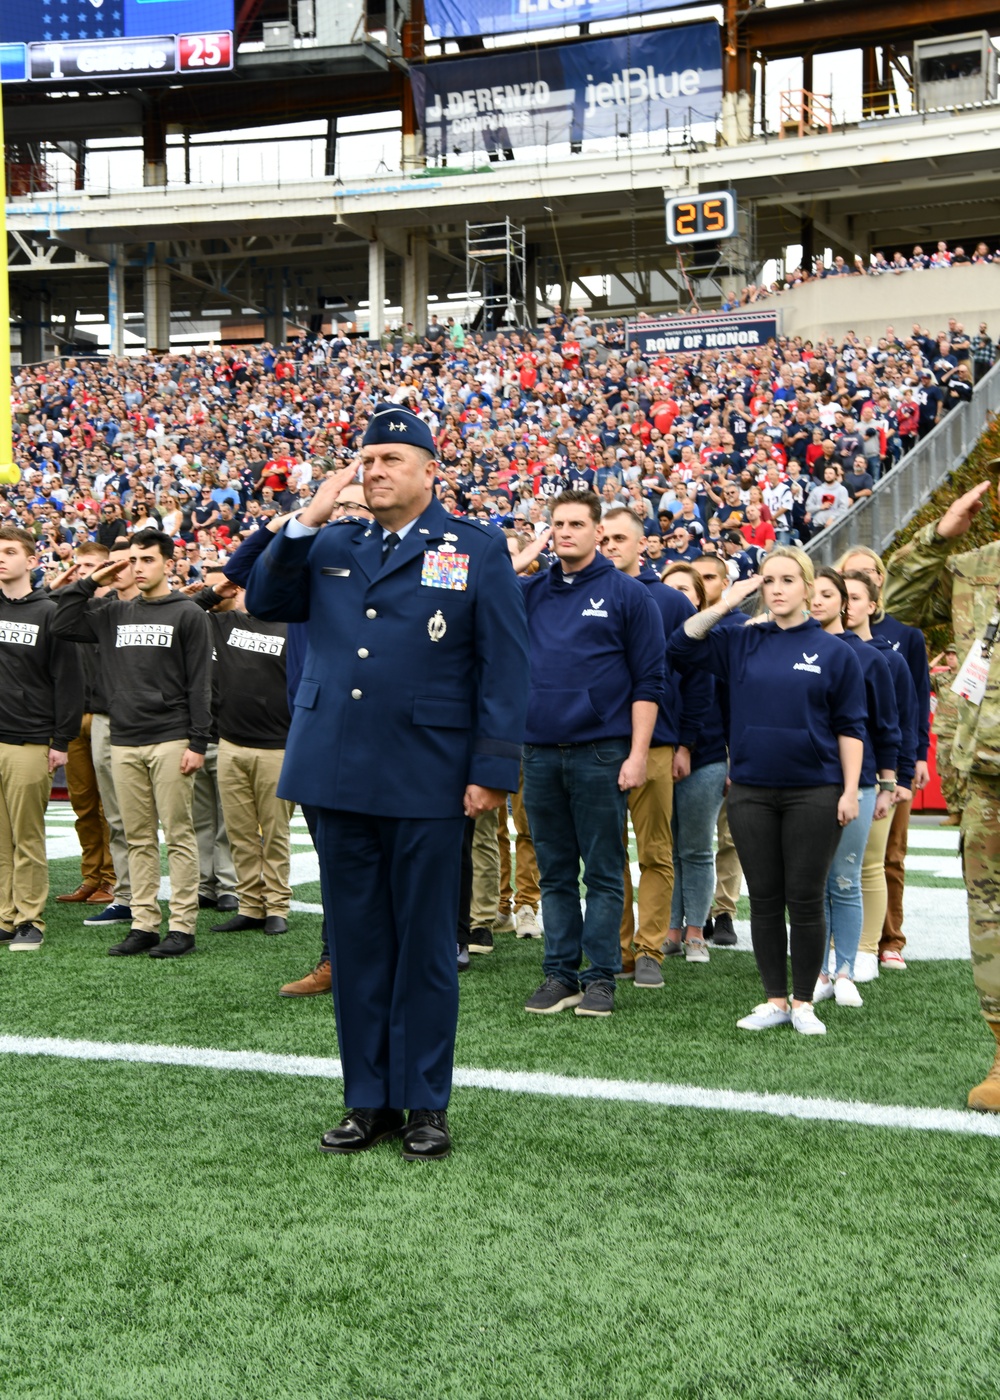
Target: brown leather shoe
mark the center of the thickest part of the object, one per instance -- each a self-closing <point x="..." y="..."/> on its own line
<point x="314" y="985"/>
<point x="986" y="1096"/>
<point x="79" y="896"/>
<point x="102" y="895"/>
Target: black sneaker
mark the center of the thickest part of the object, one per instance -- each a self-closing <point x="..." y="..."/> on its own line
<point x="481" y="940"/>
<point x="27" y="939"/>
<point x="140" y="940"/>
<point x="175" y="945"/>
<point x="7" y="935"/>
<point x="724" y="935"/>
<point x="553" y="996"/>
<point x="597" y="1000"/>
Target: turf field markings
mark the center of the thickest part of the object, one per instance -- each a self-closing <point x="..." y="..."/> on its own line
<point x="689" y="1096"/>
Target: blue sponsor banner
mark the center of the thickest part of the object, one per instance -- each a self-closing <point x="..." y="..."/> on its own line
<point x="571" y="92"/>
<point x="449" y="18"/>
<point x="687" y="335"/>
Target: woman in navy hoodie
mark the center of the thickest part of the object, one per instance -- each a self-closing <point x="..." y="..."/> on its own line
<point x="796" y="743"/>
<point x="844" y="908"/>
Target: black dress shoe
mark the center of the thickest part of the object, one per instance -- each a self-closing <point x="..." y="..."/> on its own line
<point x="426" y="1137"/>
<point x="362" y="1128"/>
<point x="175" y="945"/>
<point x="138" y="941"/>
<point x="205" y="901"/>
<point x="463" y="957"/>
<point x="274" y="923"/>
<point x="237" y="924"/>
<point x="227" y="904"/>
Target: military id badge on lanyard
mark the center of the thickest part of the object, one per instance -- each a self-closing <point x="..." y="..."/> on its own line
<point x="445" y="568"/>
<point x="970" y="683"/>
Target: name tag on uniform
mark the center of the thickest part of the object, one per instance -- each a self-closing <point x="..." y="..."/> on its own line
<point x="335" y="573"/>
<point x="443" y="570"/>
<point x="970" y="683"/>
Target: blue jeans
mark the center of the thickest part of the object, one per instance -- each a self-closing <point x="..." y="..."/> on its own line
<point x="576" y="812"/>
<point x="843" y="886"/>
<point x="697" y="799"/>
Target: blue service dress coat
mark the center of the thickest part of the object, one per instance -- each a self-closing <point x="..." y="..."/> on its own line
<point x="416" y="677"/>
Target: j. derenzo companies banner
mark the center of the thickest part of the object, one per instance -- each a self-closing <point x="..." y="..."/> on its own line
<point x="449" y="18"/>
<point x="680" y="335"/>
<point x="571" y="92"/>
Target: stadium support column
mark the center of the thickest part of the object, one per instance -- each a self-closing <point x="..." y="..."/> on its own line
<point x="116" y="301"/>
<point x="413" y="52"/>
<point x="154" y="143"/>
<point x="737" y="98"/>
<point x="376" y="289"/>
<point x="415" y="282"/>
<point x="32" y="319"/>
<point x="156" y="297"/>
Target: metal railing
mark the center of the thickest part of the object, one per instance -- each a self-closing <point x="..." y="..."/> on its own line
<point x="900" y="493"/>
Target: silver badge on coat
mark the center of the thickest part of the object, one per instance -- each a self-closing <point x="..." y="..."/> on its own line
<point x="436" y="626"/>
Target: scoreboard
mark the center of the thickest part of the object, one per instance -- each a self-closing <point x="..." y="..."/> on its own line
<point x="55" y="41"/>
<point x="701" y="218"/>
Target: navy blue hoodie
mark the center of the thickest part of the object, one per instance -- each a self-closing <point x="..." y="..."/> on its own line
<point x="792" y="692"/>
<point x="910" y="644"/>
<point x="596" y="647"/>
<point x="883" y="737"/>
<point x="686" y="699"/>
<point x="907" y="705"/>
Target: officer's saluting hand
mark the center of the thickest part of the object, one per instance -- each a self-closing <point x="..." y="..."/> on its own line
<point x="409" y="717"/>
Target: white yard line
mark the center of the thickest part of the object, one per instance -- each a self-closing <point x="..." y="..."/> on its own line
<point x="868" y="1115"/>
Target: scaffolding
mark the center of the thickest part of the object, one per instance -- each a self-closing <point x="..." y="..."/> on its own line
<point x="496" y="274"/>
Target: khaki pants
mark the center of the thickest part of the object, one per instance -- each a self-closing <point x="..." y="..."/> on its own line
<point x="85" y="797"/>
<point x="216" y="873"/>
<point x="485" y="872"/>
<point x="100" y="749"/>
<point x="523" y="891"/>
<point x="151" y="786"/>
<point x="895" y="878"/>
<point x="25" y="785"/>
<point x="258" y="825"/>
<point x="652" y="809"/>
<point x="981" y="869"/>
<point x="873" y="888"/>
<point x="728" y="872"/>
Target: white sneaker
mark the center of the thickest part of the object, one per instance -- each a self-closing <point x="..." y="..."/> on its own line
<point x="526" y="923"/>
<point x="696" y="950"/>
<point x="866" y="967"/>
<point x="805" y="1020"/>
<point x="824" y="990"/>
<point x="846" y="992"/>
<point x="764" y="1017"/>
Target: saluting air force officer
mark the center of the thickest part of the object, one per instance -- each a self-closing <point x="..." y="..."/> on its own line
<point x="409" y="717"/>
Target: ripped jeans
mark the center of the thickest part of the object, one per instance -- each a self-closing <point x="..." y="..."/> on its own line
<point x="843" y="886"/>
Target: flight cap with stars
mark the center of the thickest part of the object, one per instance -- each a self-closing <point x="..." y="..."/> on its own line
<point x="395" y="424"/>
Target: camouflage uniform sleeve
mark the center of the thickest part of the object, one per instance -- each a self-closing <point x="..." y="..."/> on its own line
<point x="918" y="581"/>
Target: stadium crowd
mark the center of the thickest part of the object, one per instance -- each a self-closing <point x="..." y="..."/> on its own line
<point x="160" y="480"/>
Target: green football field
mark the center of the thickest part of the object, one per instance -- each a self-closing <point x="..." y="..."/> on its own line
<point x="656" y="1205"/>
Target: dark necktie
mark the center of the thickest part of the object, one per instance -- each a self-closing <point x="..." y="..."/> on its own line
<point x="388" y="545"/>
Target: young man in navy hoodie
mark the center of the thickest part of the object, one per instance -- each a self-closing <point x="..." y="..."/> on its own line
<point x="597" y="672"/>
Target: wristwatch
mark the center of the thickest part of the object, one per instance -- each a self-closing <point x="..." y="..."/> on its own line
<point x="887" y="784"/>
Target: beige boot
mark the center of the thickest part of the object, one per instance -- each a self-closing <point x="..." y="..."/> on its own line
<point x="986" y="1096"/>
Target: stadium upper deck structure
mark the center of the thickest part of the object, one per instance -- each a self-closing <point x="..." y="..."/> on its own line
<point x="278" y="252"/>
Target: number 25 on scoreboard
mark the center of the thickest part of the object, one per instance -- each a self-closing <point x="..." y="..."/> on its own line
<point x="699" y="217"/>
<point x="197" y="53"/>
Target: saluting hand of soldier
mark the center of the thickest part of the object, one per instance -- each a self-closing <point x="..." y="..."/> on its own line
<point x="108" y="573"/>
<point x="959" y="516"/>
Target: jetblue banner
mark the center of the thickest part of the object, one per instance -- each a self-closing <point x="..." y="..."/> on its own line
<point x="686" y="335"/>
<point x="449" y="18"/>
<point x="570" y="92"/>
